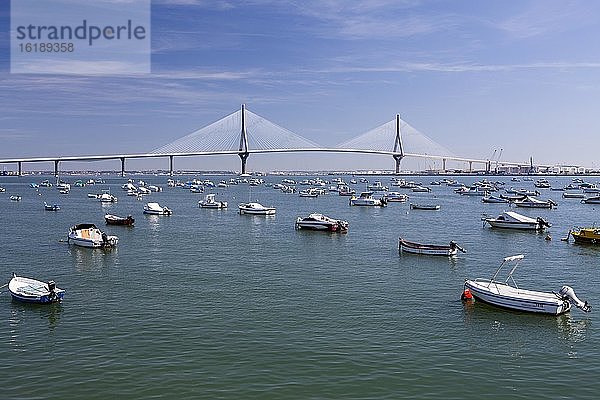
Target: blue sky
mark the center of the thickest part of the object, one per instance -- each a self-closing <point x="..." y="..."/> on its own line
<point x="474" y="76"/>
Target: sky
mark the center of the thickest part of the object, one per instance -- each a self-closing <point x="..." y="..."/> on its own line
<point x="474" y="76"/>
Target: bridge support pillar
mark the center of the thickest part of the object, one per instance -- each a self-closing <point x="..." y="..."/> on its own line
<point x="56" y="168"/>
<point x="470" y="166"/>
<point x="243" y="157"/>
<point x="19" y="168"/>
<point x="122" y="166"/>
<point x="398" y="159"/>
<point x="488" y="166"/>
<point x="443" y="165"/>
<point x="170" y="165"/>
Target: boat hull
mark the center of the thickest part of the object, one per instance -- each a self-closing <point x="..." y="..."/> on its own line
<point x="532" y="226"/>
<point x="270" y="211"/>
<point x="504" y="296"/>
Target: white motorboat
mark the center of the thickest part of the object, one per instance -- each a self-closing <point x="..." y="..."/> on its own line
<point x="256" y="209"/>
<point x="88" y="235"/>
<point x="321" y="222"/>
<point x="513" y="220"/>
<point x="493" y="199"/>
<point x="507" y="295"/>
<point x="367" y="199"/>
<point x="30" y="290"/>
<point x="15" y="198"/>
<point x="396" y="197"/>
<point x="532" y="202"/>
<point x="573" y="195"/>
<point x="377" y="186"/>
<point x="421" y="189"/>
<point x="107" y="198"/>
<point x="210" y="202"/>
<point x="308" y="193"/>
<point x="156" y="209"/>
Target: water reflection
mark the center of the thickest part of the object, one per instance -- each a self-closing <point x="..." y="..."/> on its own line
<point x="87" y="259"/>
<point x="24" y="314"/>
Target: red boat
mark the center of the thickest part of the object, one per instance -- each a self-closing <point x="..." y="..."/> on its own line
<point x="116" y="220"/>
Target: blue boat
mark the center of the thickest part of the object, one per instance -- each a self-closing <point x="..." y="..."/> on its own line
<point x="29" y="290"/>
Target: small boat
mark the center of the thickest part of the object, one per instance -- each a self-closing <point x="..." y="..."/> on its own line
<point x="88" y="235"/>
<point x="421" y="189"/>
<point x="586" y="235"/>
<point x="512" y="198"/>
<point x="396" y="197"/>
<point x="542" y="183"/>
<point x="321" y="222"/>
<point x="532" y="202"/>
<point x="573" y="195"/>
<point x="30" y="290"/>
<point x="107" y="198"/>
<point x="503" y="294"/>
<point x="494" y="199"/>
<point x="346" y="191"/>
<point x="51" y="207"/>
<point x="156" y="209"/>
<point x="210" y="202"/>
<point x="513" y="220"/>
<point x="15" y="198"/>
<point x="591" y="200"/>
<point x="93" y="196"/>
<point x="429" y="207"/>
<point x="2" y="189"/>
<point x="377" y="186"/>
<point x="256" y="209"/>
<point x="308" y="193"/>
<point x="46" y="183"/>
<point x="116" y="220"/>
<point x="429" y="249"/>
<point x="367" y="199"/>
<point x="34" y="185"/>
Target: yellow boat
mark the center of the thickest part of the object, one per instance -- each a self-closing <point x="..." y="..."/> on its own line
<point x="587" y="235"/>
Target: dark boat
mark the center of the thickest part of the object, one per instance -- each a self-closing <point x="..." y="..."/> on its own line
<point x="116" y="220"/>
<point x="432" y="207"/>
<point x="51" y="207"/>
<point x="429" y="249"/>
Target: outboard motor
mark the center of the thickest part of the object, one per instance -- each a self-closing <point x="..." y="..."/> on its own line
<point x="567" y="293"/>
<point x="454" y="245"/>
<point x="52" y="289"/>
<point x="543" y="222"/>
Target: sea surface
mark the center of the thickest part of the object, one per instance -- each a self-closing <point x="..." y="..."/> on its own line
<point x="213" y="304"/>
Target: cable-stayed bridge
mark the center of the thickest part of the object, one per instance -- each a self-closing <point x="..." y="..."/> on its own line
<point x="243" y="133"/>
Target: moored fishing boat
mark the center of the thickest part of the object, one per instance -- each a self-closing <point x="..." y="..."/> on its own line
<point x="503" y="294"/>
<point x="532" y="202"/>
<point x="88" y="235"/>
<point x="586" y="235"/>
<point x="256" y="209"/>
<point x="591" y="200"/>
<point x="210" y="202"/>
<point x="450" y="250"/>
<point x="493" y="199"/>
<point x="30" y="290"/>
<point x="367" y="199"/>
<point x="156" y="209"/>
<point x="15" y="198"/>
<point x="513" y="220"/>
<point x="320" y="222"/>
<point x="573" y="195"/>
<point x="117" y="220"/>
<point x="430" y="207"/>
<point x="51" y="207"/>
<point x="396" y="197"/>
<point x="107" y="198"/>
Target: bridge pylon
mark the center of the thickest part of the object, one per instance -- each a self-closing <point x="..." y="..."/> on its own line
<point x="398" y="145"/>
<point x="243" y="148"/>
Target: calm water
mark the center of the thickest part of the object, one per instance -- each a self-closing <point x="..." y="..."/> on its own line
<point x="211" y="304"/>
